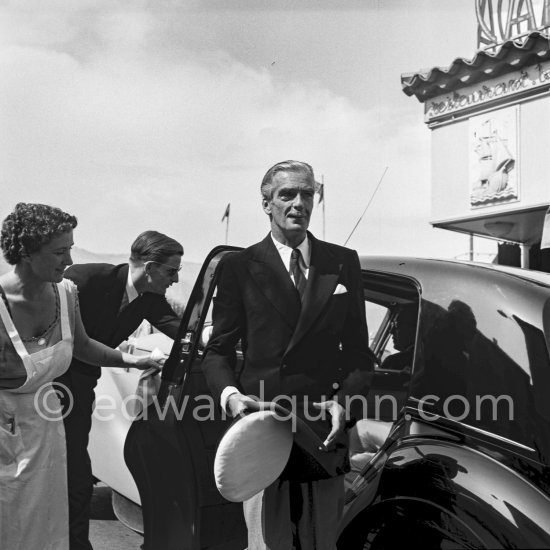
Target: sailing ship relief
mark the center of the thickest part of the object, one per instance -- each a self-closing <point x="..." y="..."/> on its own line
<point x="493" y="154"/>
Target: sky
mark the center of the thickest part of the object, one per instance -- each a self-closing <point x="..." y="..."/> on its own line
<point x="136" y="115"/>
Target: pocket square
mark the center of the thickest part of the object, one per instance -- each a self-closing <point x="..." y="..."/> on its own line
<point x="340" y="289"/>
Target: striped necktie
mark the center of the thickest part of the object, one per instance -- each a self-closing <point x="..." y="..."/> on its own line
<point x="297" y="273"/>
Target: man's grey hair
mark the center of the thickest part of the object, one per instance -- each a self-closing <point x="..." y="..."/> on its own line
<point x="285" y="166"/>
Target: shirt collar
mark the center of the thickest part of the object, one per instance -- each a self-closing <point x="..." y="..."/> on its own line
<point x="304" y="247"/>
<point x="131" y="291"/>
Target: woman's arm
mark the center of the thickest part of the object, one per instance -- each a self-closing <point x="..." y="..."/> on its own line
<point x="95" y="353"/>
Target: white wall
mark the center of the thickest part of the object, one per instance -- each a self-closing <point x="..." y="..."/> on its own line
<point x="450" y="165"/>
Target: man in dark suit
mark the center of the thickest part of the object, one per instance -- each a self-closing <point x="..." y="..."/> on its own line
<point x="297" y="305"/>
<point x="114" y="300"/>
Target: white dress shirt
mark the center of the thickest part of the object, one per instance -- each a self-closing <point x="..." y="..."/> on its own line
<point x="284" y="251"/>
<point x="131" y="291"/>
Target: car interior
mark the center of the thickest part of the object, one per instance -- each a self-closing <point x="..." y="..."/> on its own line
<point x="391" y="304"/>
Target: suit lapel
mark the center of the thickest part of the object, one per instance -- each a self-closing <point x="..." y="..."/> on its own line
<point x="268" y="271"/>
<point x="128" y="320"/>
<point x="324" y="271"/>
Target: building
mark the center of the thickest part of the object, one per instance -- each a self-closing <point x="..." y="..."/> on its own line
<point x="489" y="118"/>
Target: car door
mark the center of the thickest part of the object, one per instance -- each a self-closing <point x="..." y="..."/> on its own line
<point x="170" y="450"/>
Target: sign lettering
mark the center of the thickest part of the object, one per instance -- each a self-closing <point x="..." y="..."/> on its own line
<point x="501" y="20"/>
<point x="491" y="90"/>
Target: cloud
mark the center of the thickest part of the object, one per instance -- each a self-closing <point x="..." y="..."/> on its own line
<point x="99" y="122"/>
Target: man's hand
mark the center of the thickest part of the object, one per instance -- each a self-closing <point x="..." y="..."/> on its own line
<point x="338" y="419"/>
<point x="239" y="404"/>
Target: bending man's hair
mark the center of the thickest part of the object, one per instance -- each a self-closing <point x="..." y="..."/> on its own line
<point x="152" y="246"/>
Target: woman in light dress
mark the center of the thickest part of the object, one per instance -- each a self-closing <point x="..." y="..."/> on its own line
<point x="40" y="330"/>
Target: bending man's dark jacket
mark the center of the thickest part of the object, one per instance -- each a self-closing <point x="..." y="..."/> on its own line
<point x="101" y="288"/>
<point x="311" y="351"/>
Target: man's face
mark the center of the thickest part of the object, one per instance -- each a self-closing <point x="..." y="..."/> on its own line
<point x="290" y="206"/>
<point x="161" y="275"/>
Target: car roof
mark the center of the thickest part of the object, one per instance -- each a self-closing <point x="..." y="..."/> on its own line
<point x="413" y="266"/>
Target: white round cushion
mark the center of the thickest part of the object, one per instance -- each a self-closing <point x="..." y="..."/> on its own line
<point x="252" y="455"/>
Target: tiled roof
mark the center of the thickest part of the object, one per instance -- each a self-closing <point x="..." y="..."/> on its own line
<point x="509" y="56"/>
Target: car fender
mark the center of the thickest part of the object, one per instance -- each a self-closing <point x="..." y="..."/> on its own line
<point x="467" y="485"/>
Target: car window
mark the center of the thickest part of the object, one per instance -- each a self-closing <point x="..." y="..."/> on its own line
<point x="377" y="319"/>
<point x="483" y="356"/>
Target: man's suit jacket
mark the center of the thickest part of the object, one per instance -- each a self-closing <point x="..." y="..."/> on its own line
<point x="101" y="288"/>
<point x="312" y="350"/>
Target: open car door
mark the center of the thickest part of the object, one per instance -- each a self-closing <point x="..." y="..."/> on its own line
<point x="170" y="450"/>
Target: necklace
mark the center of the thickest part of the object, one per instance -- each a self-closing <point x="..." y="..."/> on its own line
<point x="41" y="339"/>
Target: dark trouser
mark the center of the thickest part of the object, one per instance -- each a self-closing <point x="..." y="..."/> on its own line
<point x="78" y="423"/>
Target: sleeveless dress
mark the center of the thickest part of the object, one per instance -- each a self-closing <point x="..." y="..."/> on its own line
<point x="33" y="474"/>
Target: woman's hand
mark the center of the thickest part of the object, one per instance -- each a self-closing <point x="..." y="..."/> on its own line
<point x="143" y="362"/>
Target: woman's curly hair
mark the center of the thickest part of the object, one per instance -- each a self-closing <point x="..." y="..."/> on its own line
<point x="29" y="227"/>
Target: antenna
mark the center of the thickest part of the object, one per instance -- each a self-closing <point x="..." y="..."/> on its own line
<point x="366" y="208"/>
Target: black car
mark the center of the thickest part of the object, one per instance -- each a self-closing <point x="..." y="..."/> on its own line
<point x="464" y="410"/>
